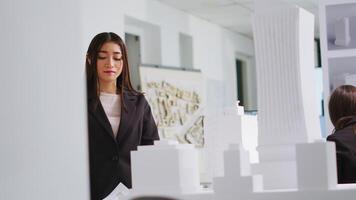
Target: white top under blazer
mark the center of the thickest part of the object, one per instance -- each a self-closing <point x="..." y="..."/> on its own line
<point x="112" y="107"/>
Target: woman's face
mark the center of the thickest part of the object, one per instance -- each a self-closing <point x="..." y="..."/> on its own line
<point x="109" y="64"/>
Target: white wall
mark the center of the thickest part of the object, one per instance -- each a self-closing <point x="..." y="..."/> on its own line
<point x="43" y="134"/>
<point x="214" y="48"/>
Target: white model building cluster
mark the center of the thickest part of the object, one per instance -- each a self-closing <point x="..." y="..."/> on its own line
<point x="173" y="177"/>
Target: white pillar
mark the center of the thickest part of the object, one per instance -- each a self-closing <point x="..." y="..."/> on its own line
<point x="43" y="140"/>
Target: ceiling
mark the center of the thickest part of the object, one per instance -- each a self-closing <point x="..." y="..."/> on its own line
<point x="234" y="15"/>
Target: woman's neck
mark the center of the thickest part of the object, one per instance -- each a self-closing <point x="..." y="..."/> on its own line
<point x="108" y="88"/>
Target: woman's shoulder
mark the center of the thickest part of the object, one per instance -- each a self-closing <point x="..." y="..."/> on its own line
<point x="345" y="133"/>
<point x="344" y="137"/>
<point x="133" y="93"/>
<point x="139" y="97"/>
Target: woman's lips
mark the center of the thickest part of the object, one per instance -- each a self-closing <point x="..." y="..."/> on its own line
<point x="109" y="72"/>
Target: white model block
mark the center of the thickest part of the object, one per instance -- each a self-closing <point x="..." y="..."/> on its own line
<point x="234" y="110"/>
<point x="249" y="131"/>
<point x="316" y="166"/>
<point x="342" y="32"/>
<point x="227" y="130"/>
<point x="277" y="175"/>
<point x="236" y="161"/>
<point x="236" y="183"/>
<point x="240" y="109"/>
<point x="284" y="46"/>
<point x="211" y="134"/>
<point x="230" y="127"/>
<point x="165" y="168"/>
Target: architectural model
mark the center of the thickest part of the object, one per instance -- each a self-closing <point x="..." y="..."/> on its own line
<point x="177" y="104"/>
<point x="294" y="163"/>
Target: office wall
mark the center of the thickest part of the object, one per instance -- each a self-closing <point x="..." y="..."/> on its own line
<point x="214" y="48"/>
<point x="43" y="137"/>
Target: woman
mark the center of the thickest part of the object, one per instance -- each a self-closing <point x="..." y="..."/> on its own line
<point x="119" y="118"/>
<point x="342" y="109"/>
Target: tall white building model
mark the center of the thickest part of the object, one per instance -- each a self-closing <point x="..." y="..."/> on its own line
<point x="287" y="111"/>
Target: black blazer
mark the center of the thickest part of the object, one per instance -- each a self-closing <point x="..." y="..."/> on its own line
<point x="345" y="141"/>
<point x="109" y="157"/>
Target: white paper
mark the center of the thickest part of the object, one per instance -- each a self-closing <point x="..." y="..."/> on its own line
<point x="120" y="191"/>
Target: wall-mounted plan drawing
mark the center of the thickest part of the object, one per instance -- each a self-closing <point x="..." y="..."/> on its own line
<point x="177" y="101"/>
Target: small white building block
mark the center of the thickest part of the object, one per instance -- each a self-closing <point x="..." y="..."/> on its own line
<point x="229" y="127"/>
<point x="165" y="168"/>
<point x="236" y="182"/>
<point x="316" y="166"/>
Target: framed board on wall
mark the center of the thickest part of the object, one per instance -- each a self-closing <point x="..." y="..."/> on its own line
<point x="177" y="100"/>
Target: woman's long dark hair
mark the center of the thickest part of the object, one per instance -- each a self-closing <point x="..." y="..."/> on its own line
<point x="342" y="106"/>
<point x="123" y="82"/>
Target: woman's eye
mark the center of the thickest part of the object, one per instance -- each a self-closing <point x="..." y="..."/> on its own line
<point x="118" y="59"/>
<point x="100" y="57"/>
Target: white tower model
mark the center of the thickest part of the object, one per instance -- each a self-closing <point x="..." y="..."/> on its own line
<point x="287" y="112"/>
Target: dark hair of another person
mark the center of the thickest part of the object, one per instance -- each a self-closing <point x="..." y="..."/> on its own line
<point x="342" y="106"/>
<point x="123" y="82"/>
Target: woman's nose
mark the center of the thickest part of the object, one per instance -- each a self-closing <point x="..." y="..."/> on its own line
<point x="110" y="62"/>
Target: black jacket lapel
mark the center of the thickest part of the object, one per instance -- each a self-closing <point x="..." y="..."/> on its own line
<point x="101" y="117"/>
<point x="128" y="115"/>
